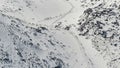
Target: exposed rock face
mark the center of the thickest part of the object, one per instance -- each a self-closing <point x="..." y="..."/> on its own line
<point x="102" y="24"/>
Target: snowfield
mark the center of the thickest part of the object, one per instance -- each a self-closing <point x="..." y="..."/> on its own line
<point x="59" y="34"/>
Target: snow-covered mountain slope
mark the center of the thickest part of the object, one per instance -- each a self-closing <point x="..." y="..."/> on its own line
<point x="23" y="46"/>
<point x="100" y="26"/>
<point x="35" y="11"/>
<point x="59" y="33"/>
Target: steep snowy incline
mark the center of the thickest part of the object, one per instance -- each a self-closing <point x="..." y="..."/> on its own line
<point x="59" y="34"/>
<point x="22" y="46"/>
<point x="97" y="28"/>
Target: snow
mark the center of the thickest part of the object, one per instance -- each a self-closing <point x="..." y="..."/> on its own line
<point x="48" y="34"/>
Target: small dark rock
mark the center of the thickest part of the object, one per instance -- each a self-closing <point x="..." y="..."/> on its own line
<point x="38" y="30"/>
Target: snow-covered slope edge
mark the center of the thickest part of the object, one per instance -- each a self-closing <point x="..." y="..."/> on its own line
<point x="22" y="46"/>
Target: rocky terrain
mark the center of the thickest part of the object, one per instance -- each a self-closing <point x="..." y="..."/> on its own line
<point x="59" y="34"/>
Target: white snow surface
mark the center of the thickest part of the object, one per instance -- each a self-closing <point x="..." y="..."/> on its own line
<point x="48" y="34"/>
